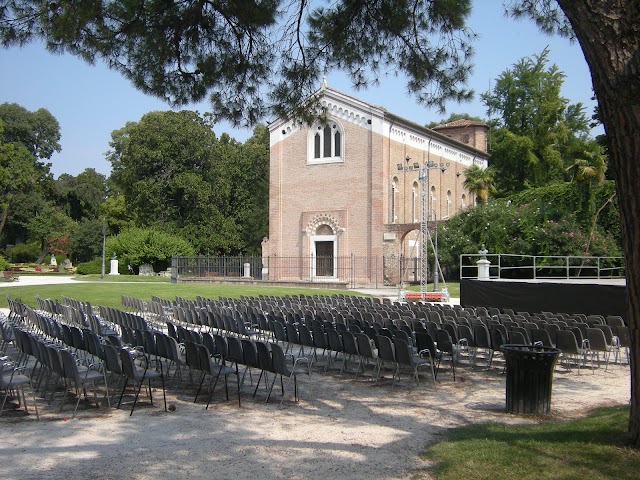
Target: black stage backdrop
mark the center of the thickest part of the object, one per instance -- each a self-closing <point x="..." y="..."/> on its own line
<point x="590" y="299"/>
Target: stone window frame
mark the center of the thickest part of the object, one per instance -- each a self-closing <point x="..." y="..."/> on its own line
<point x="318" y="141"/>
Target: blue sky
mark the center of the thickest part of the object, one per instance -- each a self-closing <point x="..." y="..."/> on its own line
<point x="90" y="101"/>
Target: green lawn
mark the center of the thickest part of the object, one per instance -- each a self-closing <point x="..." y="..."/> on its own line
<point x="108" y="292"/>
<point x="589" y="448"/>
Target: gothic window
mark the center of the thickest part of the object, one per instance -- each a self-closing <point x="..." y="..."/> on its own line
<point x="326" y="144"/>
<point x="432" y="196"/>
<point x="448" y="202"/>
<point x="394" y="191"/>
<point x="414" y="202"/>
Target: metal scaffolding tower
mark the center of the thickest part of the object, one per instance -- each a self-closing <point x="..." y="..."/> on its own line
<point x="425" y="237"/>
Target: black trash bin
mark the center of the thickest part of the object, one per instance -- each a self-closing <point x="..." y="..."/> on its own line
<point x="529" y="378"/>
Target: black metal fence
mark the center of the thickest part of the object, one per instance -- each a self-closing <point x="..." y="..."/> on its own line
<point x="352" y="270"/>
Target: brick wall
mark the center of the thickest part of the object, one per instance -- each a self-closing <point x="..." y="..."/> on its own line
<point x="354" y="197"/>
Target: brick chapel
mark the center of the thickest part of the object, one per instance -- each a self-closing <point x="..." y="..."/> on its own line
<point x="344" y="195"/>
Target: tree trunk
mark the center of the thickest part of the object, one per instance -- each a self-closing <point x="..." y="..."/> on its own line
<point x="609" y="34"/>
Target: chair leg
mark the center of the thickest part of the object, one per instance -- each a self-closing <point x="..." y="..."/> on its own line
<point x="275" y="377"/>
<point x="135" y="400"/>
<point x="200" y="387"/>
<point x="238" y="385"/>
<point x="164" y="392"/>
<point x="258" y="384"/>
<point x="124" y="387"/>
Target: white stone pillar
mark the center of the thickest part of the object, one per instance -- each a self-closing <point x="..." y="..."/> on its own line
<point x="247" y="270"/>
<point x="483" y="269"/>
<point x="114" y="267"/>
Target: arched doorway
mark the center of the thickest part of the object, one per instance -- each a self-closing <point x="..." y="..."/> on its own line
<point x="410" y="253"/>
<point x="324" y="247"/>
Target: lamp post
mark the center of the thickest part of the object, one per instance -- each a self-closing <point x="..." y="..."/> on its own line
<point x="424" y="226"/>
<point x="104" y="235"/>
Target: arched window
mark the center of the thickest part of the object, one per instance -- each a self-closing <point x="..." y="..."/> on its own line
<point x="432" y="198"/>
<point x="394" y="192"/>
<point x="325" y="143"/>
<point x="448" y="203"/>
<point x="463" y="202"/>
<point x="414" y="202"/>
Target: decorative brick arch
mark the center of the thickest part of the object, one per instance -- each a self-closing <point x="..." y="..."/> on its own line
<point x="323" y="219"/>
<point x="402" y="229"/>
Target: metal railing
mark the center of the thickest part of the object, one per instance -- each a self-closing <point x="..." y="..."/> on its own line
<point x="353" y="270"/>
<point x="509" y="266"/>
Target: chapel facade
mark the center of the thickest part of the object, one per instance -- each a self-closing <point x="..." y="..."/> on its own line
<point x="345" y="194"/>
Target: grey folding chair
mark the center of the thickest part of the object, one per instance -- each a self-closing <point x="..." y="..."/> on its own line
<point x="139" y="375"/>
<point x="281" y="368"/>
<point x="405" y="356"/>
<point x="81" y="377"/>
<point x="11" y="379"/>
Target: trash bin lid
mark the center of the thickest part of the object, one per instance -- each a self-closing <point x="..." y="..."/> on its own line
<point x="512" y="348"/>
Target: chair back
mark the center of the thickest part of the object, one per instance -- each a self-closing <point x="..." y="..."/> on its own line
<point x="403" y="351"/>
<point x="236" y="353"/>
<point x="264" y="357"/>
<point x="386" y="349"/>
<point x="250" y="353"/>
<point x="566" y="342"/>
<point x="349" y="343"/>
<point x="425" y="343"/>
<point x="364" y="345"/>
<point x="306" y="338"/>
<point x="443" y="341"/>
<point x="279" y="362"/>
<point x="112" y="360"/>
<point x="69" y="366"/>
<point x="191" y="355"/>
<point x="597" y="339"/>
<point x="335" y="341"/>
<point x="129" y="368"/>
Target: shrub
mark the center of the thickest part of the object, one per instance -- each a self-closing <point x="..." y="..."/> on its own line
<point x="92" y="267"/>
<point x="4" y="264"/>
<point x="138" y="246"/>
<point x="23" y="253"/>
<point x="536" y="228"/>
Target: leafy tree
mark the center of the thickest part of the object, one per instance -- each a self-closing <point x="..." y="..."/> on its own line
<point x="48" y="227"/>
<point x="38" y="131"/>
<point x="117" y="214"/>
<point x="138" y="246"/>
<point x="534" y="222"/>
<point x="479" y="182"/>
<point x="238" y="51"/>
<point x="25" y="138"/>
<point x="4" y="264"/>
<point x="535" y="124"/>
<point x="16" y="175"/>
<point x="244" y="52"/>
<point x="588" y="170"/>
<point x="83" y="195"/>
<point x="86" y="240"/>
<point x="253" y="215"/>
<point x="175" y="173"/>
<point x="454" y="117"/>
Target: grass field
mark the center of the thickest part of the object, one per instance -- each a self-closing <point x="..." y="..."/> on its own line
<point x="109" y="292"/>
<point x="591" y="448"/>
